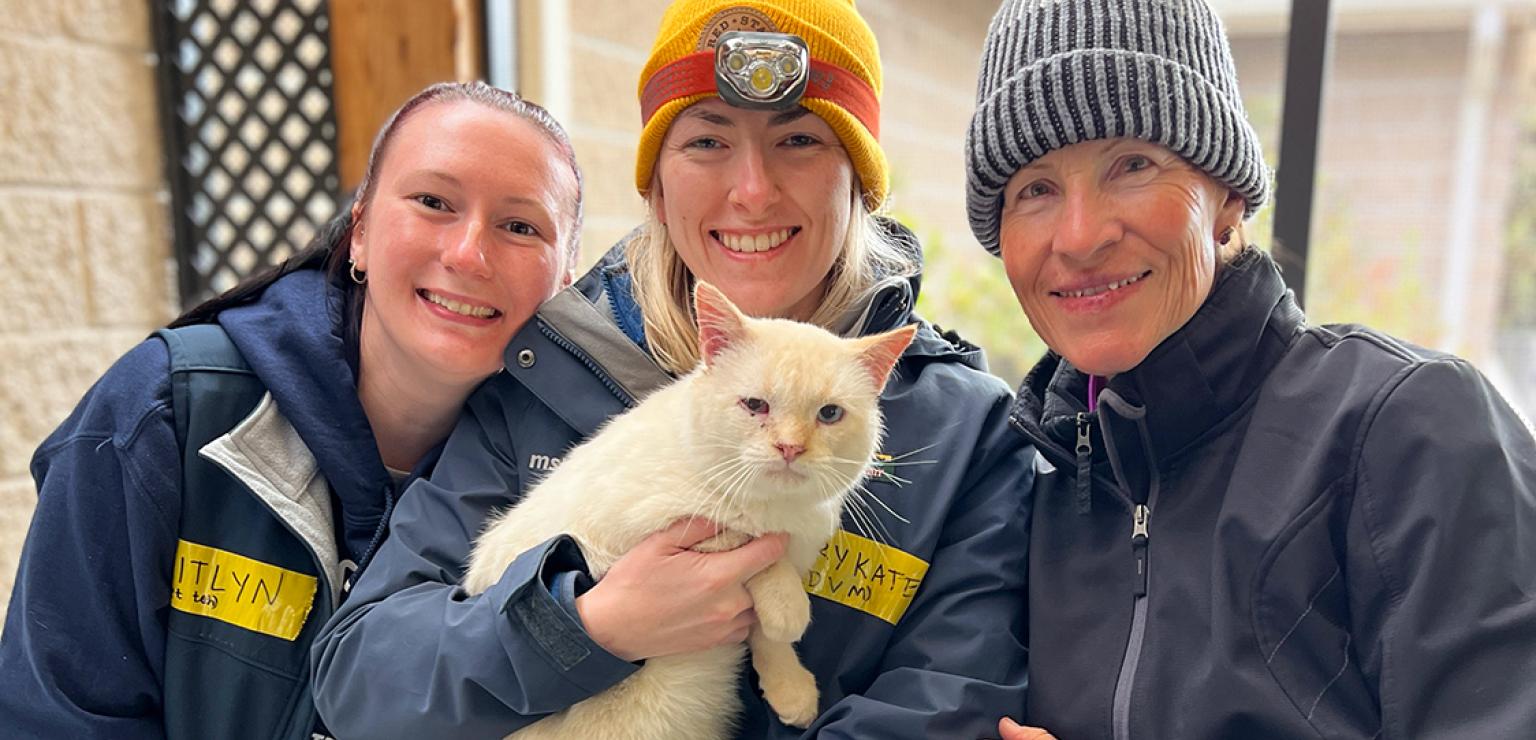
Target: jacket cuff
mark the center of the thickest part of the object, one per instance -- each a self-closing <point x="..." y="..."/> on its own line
<point x="537" y="619"/>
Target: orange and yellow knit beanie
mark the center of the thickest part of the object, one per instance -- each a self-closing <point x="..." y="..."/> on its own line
<point x="845" y="93"/>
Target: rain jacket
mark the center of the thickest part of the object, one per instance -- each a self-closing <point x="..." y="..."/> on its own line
<point x="1273" y="529"/>
<point x="170" y="590"/>
<point x="933" y="650"/>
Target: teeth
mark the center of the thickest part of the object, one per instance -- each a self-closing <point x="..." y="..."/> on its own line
<point x="462" y="309"/>
<point x="1084" y="293"/>
<point x="748" y="243"/>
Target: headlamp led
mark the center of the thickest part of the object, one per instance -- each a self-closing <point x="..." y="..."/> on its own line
<point x="761" y="71"/>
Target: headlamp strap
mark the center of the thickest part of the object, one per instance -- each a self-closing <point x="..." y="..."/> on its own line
<point x="695" y="75"/>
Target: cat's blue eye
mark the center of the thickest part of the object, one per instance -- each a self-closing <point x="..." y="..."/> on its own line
<point x="755" y="405"/>
<point x="830" y="414"/>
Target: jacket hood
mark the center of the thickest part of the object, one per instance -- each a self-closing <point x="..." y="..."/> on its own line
<point x="1196" y="377"/>
<point x="291" y="337"/>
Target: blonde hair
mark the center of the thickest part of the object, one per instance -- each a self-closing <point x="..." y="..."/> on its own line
<point x="663" y="286"/>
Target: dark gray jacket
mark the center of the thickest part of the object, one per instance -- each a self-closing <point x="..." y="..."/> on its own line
<point x="409" y="655"/>
<point x="1339" y="537"/>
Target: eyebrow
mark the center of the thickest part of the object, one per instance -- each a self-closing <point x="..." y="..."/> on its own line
<point x="505" y="199"/>
<point x="789" y="116"/>
<point x="709" y="117"/>
<point x="445" y="177"/>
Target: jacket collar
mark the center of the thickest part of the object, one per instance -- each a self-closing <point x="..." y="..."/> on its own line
<point x="267" y="454"/>
<point x="1196" y="378"/>
<point x="291" y="337"/>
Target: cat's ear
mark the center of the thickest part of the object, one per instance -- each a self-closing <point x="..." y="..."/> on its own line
<point x="879" y="353"/>
<point x="720" y="323"/>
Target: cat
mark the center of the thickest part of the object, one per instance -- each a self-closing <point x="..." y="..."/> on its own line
<point x="770" y="433"/>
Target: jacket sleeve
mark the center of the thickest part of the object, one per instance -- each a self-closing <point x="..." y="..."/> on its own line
<point x="410" y="655"/>
<point x="956" y="662"/>
<point x="1445" y="620"/>
<point x="82" y="655"/>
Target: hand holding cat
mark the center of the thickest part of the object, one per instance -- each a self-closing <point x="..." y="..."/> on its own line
<point x="1014" y="731"/>
<point x="663" y="598"/>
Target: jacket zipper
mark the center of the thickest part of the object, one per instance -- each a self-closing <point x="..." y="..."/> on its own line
<point x="1084" y="452"/>
<point x="602" y="375"/>
<point x="1141" y="517"/>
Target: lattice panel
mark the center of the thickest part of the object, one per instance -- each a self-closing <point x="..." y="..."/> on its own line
<point x="251" y="129"/>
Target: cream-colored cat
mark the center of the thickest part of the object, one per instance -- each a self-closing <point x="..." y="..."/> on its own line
<point x="770" y="434"/>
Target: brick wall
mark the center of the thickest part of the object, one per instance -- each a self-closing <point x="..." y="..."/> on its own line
<point x="83" y="240"/>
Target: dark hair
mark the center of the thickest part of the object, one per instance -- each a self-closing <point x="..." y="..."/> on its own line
<point x="331" y="247"/>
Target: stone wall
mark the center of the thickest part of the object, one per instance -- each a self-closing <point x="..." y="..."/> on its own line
<point x="84" y="246"/>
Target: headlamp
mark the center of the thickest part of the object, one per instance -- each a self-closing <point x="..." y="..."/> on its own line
<point x="761" y="71"/>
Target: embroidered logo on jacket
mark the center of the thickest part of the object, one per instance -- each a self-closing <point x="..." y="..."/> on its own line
<point x="247" y="593"/>
<point x="861" y="573"/>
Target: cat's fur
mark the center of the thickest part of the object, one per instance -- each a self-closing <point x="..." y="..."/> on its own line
<point x="694" y="448"/>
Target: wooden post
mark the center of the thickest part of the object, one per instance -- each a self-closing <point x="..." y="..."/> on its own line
<point x="383" y="52"/>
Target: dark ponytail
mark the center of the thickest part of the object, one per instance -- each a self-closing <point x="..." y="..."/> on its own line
<point x="322" y="253"/>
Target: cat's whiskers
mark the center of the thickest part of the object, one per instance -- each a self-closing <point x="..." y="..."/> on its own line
<point x="865" y="519"/>
<point x="861" y="490"/>
<point x="735" y="486"/>
<point x="714" y="487"/>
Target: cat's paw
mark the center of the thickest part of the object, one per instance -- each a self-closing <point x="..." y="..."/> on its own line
<point x="793" y="696"/>
<point x="784" y="619"/>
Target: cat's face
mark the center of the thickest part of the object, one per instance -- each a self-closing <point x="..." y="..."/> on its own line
<point x="786" y="409"/>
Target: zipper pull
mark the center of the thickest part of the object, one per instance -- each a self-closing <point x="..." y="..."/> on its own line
<point x="1084" y="463"/>
<point x="1139" y="517"/>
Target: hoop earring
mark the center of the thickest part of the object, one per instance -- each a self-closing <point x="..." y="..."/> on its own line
<point x="360" y="278"/>
<point x="1226" y="236"/>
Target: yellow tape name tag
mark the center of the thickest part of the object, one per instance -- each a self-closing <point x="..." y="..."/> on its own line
<point x="232" y="588"/>
<point x="857" y="572"/>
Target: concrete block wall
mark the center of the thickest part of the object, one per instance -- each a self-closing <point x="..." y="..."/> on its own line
<point x="84" y="241"/>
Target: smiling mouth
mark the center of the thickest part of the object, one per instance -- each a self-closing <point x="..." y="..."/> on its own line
<point x="462" y="309"/>
<point x="1100" y="289"/>
<point x="750" y="243"/>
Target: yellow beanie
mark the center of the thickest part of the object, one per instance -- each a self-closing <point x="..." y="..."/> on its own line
<point x="836" y="36"/>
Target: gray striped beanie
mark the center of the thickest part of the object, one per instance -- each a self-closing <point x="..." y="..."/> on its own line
<point x="1057" y="72"/>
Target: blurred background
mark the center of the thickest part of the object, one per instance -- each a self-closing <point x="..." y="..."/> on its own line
<point x="153" y="152"/>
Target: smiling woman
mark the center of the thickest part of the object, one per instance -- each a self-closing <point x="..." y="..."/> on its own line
<point x="1107" y="247"/>
<point x="205" y="507"/>
<point x="773" y="237"/>
<point x="1251" y="525"/>
<point x="467" y="230"/>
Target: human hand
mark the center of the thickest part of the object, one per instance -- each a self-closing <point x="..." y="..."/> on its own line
<point x="1011" y="730"/>
<point x="662" y="598"/>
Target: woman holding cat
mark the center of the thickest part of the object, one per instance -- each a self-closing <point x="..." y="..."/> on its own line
<point x="762" y="183"/>
<point x="200" y="512"/>
<point x="1252" y="526"/>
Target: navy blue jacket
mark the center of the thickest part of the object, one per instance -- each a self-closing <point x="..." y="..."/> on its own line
<point x="410" y="655"/>
<point x="86" y="636"/>
<point x="1284" y="530"/>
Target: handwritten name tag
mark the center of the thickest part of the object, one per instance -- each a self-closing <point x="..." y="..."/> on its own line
<point x="235" y="589"/>
<point x="857" y="572"/>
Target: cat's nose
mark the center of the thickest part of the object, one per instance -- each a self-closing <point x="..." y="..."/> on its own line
<point x="789" y="451"/>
